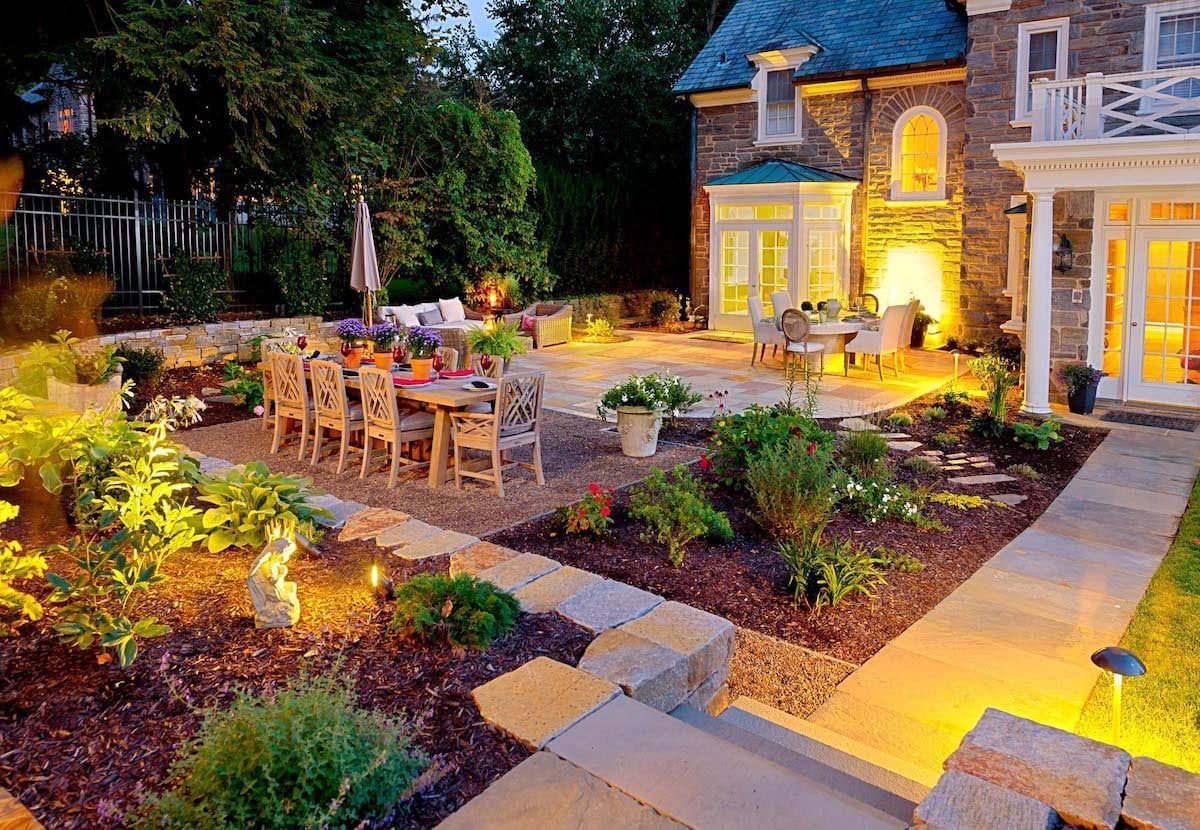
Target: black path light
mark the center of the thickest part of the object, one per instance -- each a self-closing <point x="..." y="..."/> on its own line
<point x="1120" y="663"/>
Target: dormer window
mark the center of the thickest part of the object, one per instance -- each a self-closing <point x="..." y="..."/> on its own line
<point x="779" y="114"/>
<point x="781" y="104"/>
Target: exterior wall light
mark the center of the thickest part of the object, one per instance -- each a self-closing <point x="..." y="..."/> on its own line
<point x="1064" y="254"/>
<point x="1120" y="664"/>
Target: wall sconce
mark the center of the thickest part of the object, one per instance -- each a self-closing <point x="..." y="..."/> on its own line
<point x="1120" y="664"/>
<point x="1064" y="254"/>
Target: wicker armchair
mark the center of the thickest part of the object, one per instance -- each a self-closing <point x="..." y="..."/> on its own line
<point x="552" y="323"/>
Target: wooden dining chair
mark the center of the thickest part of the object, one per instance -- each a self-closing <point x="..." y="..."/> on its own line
<point x="389" y="422"/>
<point x="796" y="328"/>
<point x="516" y="422"/>
<point x="333" y="410"/>
<point x="268" y="403"/>
<point x="292" y="404"/>
<point x="449" y="358"/>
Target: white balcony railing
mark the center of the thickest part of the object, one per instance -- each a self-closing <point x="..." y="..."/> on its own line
<point x="1160" y="102"/>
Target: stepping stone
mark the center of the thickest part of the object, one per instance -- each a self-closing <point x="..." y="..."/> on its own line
<point x="370" y="522"/>
<point x="961" y="800"/>
<point x="606" y="604"/>
<point x="541" y="699"/>
<point x="221" y="399"/>
<point x="649" y="673"/>
<point x="546" y="791"/>
<point x="704" y="639"/>
<point x="983" y="465"/>
<point x="977" y="458"/>
<point x="414" y="530"/>
<point x="1080" y="778"/>
<point x="1011" y="499"/>
<point x="544" y="593"/>
<point x="933" y="453"/>
<point x="479" y="557"/>
<point x="991" y="478"/>
<point x="955" y="456"/>
<point x="14" y="815"/>
<point x="444" y="542"/>
<point x="1159" y="795"/>
<point x="520" y="570"/>
<point x="903" y="446"/>
<point x="341" y="510"/>
<point x="895" y="436"/>
<point x="958" y="462"/>
<point x="209" y="464"/>
<point x="858" y="425"/>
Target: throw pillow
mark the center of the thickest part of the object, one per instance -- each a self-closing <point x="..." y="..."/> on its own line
<point x="406" y="316"/>
<point x="528" y="323"/>
<point x="430" y="318"/>
<point x="452" y="310"/>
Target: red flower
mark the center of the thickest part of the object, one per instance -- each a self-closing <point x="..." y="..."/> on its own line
<point x="583" y="511"/>
<point x="593" y="488"/>
<point x="812" y="449"/>
<point x="606" y="511"/>
<point x="705" y="463"/>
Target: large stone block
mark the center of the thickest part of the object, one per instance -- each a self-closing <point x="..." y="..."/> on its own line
<point x="370" y="523"/>
<point x="518" y="571"/>
<point x="705" y="640"/>
<point x="1161" y="797"/>
<point x="1080" y="778"/>
<point x="961" y="801"/>
<point x="646" y="671"/>
<point x="479" y="557"/>
<point x="14" y="816"/>
<point x="607" y="604"/>
<point x="442" y="543"/>
<point x="546" y="592"/>
<point x="538" y="701"/>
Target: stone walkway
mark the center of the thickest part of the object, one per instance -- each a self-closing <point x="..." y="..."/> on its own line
<point x="578" y="373"/>
<point x="1017" y="636"/>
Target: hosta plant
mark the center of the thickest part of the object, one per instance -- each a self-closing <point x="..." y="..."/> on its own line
<point x="1037" y="436"/>
<point x="462" y="611"/>
<point x="251" y="506"/>
<point x="14" y="566"/>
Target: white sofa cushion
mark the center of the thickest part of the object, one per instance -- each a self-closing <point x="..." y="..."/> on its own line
<point x="464" y="325"/>
<point x="406" y="315"/>
<point x="452" y="310"/>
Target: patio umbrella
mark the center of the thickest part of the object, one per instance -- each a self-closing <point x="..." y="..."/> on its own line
<point x="364" y="269"/>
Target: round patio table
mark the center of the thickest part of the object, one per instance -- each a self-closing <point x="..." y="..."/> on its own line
<point x="834" y="336"/>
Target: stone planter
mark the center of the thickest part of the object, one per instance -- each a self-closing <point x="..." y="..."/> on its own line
<point x="1082" y="400"/>
<point x="79" y="397"/>
<point x="638" y="428"/>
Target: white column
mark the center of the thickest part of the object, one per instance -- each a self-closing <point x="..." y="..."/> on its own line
<point x="1037" y="317"/>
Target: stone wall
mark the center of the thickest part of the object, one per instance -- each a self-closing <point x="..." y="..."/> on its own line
<point x="1104" y="37"/>
<point x="201" y="344"/>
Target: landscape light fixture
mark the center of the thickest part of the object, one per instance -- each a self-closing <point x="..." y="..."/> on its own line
<point x="1120" y="663"/>
<point x="1064" y="254"/>
<point x="957" y="354"/>
<point x="380" y="583"/>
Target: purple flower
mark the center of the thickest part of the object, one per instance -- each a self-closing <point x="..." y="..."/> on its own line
<point x="422" y="342"/>
<point x="383" y="335"/>
<point x="351" y="330"/>
<point x="1079" y="376"/>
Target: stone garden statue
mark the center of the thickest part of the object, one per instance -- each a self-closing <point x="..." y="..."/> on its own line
<point x="275" y="602"/>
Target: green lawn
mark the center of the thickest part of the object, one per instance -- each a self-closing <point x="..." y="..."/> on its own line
<point x="1161" y="710"/>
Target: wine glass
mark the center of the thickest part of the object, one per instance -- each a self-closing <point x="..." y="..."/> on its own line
<point x="302" y="342"/>
<point x="398" y="353"/>
<point x="485" y="362"/>
<point x="438" y="362"/>
<point x="346" y="348"/>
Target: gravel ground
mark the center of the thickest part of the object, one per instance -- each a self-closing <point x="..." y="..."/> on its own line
<point x="783" y="675"/>
<point x="575" y="452"/>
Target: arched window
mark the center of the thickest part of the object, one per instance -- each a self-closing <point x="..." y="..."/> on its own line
<point x="919" y="156"/>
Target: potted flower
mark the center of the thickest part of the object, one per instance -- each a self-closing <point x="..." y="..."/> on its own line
<point x="921" y="325"/>
<point x="640" y="403"/>
<point x="422" y="343"/>
<point x="1081" y="381"/>
<point x="502" y="341"/>
<point x="384" y="336"/>
<point x="352" y="332"/>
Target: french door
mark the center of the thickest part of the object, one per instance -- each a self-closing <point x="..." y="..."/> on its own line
<point x="1162" y="351"/>
<point x="752" y="261"/>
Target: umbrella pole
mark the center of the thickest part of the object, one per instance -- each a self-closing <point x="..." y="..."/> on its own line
<point x="368" y="317"/>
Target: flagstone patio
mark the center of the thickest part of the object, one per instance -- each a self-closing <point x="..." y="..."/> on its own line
<point x="577" y="373"/>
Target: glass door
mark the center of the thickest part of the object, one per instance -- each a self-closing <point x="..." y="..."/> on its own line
<point x="1163" y="354"/>
<point x="752" y="261"/>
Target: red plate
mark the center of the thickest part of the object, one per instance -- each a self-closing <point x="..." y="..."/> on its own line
<point x="461" y="373"/>
<point x="410" y="382"/>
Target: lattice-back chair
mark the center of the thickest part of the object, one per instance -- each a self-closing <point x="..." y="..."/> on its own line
<point x="292" y="404"/>
<point x="333" y="410"/>
<point x="495" y="370"/>
<point x="268" y="403"/>
<point x="516" y="422"/>
<point x="449" y="358"/>
<point x="389" y="422"/>
<point x="796" y="330"/>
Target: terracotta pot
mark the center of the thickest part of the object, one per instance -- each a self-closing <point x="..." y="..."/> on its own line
<point x="638" y="428"/>
<point x="383" y="360"/>
<point x="421" y="367"/>
<point x="354" y="358"/>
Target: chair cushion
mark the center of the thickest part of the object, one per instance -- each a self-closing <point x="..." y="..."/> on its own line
<point x="805" y="348"/>
<point x="528" y="323"/>
<point x="865" y="341"/>
<point x="452" y="310"/>
<point x="415" y="419"/>
<point x="355" y="412"/>
<point x="429" y="318"/>
<point x="480" y="408"/>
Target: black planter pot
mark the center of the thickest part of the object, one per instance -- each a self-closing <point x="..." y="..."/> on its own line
<point x="918" y="335"/>
<point x="1082" y="400"/>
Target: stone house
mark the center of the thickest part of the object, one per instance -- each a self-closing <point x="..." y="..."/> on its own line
<point x="903" y="148"/>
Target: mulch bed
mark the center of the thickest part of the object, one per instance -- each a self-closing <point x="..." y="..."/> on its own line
<point x="80" y="742"/>
<point x="186" y="381"/>
<point x="664" y="328"/>
<point x="745" y="581"/>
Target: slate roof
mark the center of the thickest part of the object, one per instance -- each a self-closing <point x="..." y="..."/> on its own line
<point x="853" y="38"/>
<point x="777" y="171"/>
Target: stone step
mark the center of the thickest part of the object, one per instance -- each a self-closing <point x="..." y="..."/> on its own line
<point x="701" y="780"/>
<point x="799" y="754"/>
<point x="859" y="760"/>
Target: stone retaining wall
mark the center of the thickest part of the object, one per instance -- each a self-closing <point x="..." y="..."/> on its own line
<point x="201" y="344"/>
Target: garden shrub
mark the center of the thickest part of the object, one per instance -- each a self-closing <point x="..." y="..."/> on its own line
<point x="51" y="303"/>
<point x="14" y="566"/>
<point x="463" y="611"/>
<point x="245" y="385"/>
<point x="676" y="512"/>
<point x="997" y="377"/>
<point x="1036" y="436"/>
<point x="663" y="307"/>
<point x="823" y="574"/>
<point x="737" y="438"/>
<point x="919" y="465"/>
<point x="934" y="413"/>
<point x="304" y="283"/>
<point x="953" y="398"/>
<point x="1007" y="347"/>
<point x="861" y="452"/>
<point x="306" y="757"/>
<point x="877" y="498"/>
<point x="254" y="505"/>
<point x="143" y="365"/>
<point x="944" y="440"/>
<point x="591" y="514"/>
<point x="896" y="560"/>
<point x="1025" y="471"/>
<point x="793" y="488"/>
<point x="987" y="426"/>
<point x="192" y="290"/>
<point x="900" y="419"/>
<point x="62" y="360"/>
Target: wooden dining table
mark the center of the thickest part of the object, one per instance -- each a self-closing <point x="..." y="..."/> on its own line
<point x="442" y="396"/>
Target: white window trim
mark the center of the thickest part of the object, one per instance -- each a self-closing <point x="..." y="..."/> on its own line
<point x="773" y="61"/>
<point x="1015" y="282"/>
<point x="1154" y="16"/>
<point x="926" y="196"/>
<point x="1022" y="117"/>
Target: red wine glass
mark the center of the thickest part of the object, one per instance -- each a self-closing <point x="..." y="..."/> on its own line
<point x="302" y="342"/>
<point x="346" y="348"/>
<point x="485" y="362"/>
<point x="438" y="362"/>
<point x="397" y="353"/>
